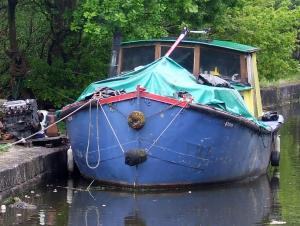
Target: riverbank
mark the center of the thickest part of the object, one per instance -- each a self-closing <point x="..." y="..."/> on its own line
<point x="23" y="167"/>
<point x="281" y="94"/>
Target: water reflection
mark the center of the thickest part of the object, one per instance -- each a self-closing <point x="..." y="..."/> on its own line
<point x="288" y="206"/>
<point x="239" y="204"/>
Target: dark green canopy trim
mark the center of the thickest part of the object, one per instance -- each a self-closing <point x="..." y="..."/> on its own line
<point x="214" y="43"/>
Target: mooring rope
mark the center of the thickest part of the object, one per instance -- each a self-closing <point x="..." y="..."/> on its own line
<point x="23" y="140"/>
<point x="90" y="208"/>
<point x="89" y="136"/>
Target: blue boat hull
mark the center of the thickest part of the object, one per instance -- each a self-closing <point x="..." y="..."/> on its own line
<point x="184" y="146"/>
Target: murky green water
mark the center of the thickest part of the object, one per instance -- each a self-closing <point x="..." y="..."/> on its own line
<point x="269" y="200"/>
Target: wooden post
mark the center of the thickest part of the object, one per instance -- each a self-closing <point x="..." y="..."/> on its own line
<point x="243" y="69"/>
<point x="196" y="69"/>
<point x="157" y="51"/>
<point x="116" y="45"/>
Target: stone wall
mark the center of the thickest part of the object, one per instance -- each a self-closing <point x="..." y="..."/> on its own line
<point x="21" y="167"/>
<point x="281" y="95"/>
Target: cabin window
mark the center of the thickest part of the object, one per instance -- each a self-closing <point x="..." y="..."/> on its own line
<point x="182" y="55"/>
<point x="226" y="63"/>
<point x="137" y="56"/>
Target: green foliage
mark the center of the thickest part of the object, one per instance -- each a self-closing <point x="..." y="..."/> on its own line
<point x="75" y="60"/>
<point x="144" y="19"/>
<point x="4" y="148"/>
<point x="67" y="43"/>
<point x="59" y="83"/>
<point x="269" y="25"/>
<point x="100" y="20"/>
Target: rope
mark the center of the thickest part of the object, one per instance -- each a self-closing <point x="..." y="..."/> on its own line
<point x="89" y="135"/>
<point x="32" y="135"/>
<point x="163" y="110"/>
<point x="170" y="123"/>
<point x="117" y="110"/>
<point x="90" y="208"/>
<point x="111" y="127"/>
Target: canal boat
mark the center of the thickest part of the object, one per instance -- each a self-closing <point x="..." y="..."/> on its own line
<point x="178" y="112"/>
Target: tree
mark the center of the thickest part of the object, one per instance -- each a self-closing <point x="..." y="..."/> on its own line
<point x="270" y="25"/>
<point x="18" y="65"/>
<point x="67" y="42"/>
<point x="145" y="19"/>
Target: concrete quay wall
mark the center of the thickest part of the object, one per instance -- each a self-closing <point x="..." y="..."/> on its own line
<point x="22" y="167"/>
<point x="280" y="95"/>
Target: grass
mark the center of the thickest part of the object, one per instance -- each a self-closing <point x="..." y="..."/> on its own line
<point x="3" y="148"/>
<point x="294" y="78"/>
<point x="61" y="127"/>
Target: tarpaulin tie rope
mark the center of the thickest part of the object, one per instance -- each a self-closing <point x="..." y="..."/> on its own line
<point x="111" y="127"/>
<point x="167" y="127"/>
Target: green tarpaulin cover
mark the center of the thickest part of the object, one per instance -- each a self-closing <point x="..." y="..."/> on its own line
<point x="165" y="77"/>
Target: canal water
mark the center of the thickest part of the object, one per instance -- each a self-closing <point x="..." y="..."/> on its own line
<point x="270" y="200"/>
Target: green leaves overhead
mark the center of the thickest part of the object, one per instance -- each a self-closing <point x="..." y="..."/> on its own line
<point x="143" y="19"/>
<point x="134" y="18"/>
<point x="270" y="25"/>
<point x="68" y="42"/>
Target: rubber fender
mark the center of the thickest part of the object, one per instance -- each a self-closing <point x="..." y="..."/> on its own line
<point x="135" y="157"/>
<point x="275" y="154"/>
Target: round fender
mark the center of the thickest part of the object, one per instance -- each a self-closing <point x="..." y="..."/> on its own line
<point x="136" y="120"/>
<point x="275" y="154"/>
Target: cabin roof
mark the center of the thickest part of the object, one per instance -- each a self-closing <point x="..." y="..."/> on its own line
<point x="213" y="43"/>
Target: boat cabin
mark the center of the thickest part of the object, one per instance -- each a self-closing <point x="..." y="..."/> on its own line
<point x="234" y="62"/>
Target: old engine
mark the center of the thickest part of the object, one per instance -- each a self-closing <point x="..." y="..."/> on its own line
<point x="20" y="117"/>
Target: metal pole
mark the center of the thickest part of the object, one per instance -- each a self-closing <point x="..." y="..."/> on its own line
<point x="116" y="46"/>
<point x="184" y="32"/>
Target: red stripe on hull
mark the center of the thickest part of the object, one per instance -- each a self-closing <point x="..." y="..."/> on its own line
<point x="142" y="93"/>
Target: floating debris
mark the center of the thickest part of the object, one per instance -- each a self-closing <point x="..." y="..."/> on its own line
<point x="18" y="214"/>
<point x="32" y="192"/>
<point x="55" y="190"/>
<point x="3" y="208"/>
<point x="103" y="205"/>
<point x="190" y="192"/>
<point x="18" y="203"/>
<point x="275" y="222"/>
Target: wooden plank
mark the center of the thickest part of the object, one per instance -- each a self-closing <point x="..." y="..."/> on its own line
<point x="157" y="51"/>
<point x="243" y="69"/>
<point x="120" y="61"/>
<point x="196" y="68"/>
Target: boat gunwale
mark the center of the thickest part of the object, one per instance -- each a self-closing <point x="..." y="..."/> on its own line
<point x="194" y="106"/>
<point x="226" y="115"/>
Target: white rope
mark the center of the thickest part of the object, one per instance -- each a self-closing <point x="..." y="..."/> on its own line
<point x="89" y="136"/>
<point x="111" y="127"/>
<point x="170" y="123"/>
<point x="97" y="213"/>
<point x="88" y="188"/>
<point x="32" y="135"/>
